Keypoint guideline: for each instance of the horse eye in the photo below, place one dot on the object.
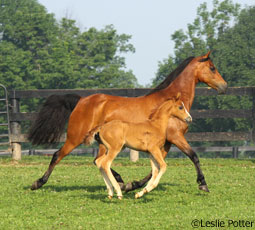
(180, 107)
(212, 68)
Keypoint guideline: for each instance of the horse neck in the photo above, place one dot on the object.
(185, 83)
(161, 116)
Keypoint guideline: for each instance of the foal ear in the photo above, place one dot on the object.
(178, 96)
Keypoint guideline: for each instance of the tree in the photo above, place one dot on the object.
(26, 34)
(201, 35)
(229, 32)
(98, 59)
(235, 50)
(36, 51)
(234, 56)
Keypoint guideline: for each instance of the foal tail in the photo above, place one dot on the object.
(50, 122)
(92, 136)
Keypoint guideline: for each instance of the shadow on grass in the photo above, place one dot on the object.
(63, 188)
(56, 188)
(202, 194)
(99, 192)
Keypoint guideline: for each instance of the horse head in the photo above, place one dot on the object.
(207, 73)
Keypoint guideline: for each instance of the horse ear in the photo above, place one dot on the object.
(178, 96)
(208, 54)
(205, 57)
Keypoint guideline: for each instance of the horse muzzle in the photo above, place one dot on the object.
(222, 88)
(188, 120)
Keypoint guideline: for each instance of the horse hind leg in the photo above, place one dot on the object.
(56, 158)
(105, 165)
(102, 151)
(98, 162)
(108, 184)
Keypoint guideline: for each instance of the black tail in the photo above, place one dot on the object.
(50, 122)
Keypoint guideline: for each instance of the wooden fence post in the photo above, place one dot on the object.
(134, 155)
(235, 152)
(15, 130)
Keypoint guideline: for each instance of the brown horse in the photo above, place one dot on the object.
(89, 112)
(148, 136)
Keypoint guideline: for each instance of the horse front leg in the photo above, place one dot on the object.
(158, 169)
(183, 145)
(139, 184)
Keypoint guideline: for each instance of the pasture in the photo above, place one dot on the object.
(75, 196)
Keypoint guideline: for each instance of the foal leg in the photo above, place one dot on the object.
(139, 184)
(102, 151)
(159, 163)
(162, 169)
(161, 166)
(154, 172)
(106, 164)
(183, 145)
(98, 162)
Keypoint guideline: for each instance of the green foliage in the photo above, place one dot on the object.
(75, 197)
(229, 31)
(234, 56)
(202, 35)
(36, 51)
(235, 51)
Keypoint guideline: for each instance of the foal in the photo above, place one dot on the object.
(148, 136)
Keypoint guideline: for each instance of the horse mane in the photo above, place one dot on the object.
(172, 76)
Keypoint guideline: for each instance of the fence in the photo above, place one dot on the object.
(16, 117)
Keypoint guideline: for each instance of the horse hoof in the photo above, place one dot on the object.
(110, 197)
(137, 196)
(120, 197)
(36, 185)
(122, 186)
(204, 188)
(128, 187)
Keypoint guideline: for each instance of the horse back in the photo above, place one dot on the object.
(104, 108)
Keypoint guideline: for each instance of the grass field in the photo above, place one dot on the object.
(75, 196)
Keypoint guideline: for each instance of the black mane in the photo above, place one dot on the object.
(172, 76)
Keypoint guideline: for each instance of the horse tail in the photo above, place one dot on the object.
(50, 122)
(92, 136)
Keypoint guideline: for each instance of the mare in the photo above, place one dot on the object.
(85, 113)
(148, 136)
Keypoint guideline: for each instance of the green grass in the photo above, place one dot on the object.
(75, 196)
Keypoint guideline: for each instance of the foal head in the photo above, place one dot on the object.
(178, 109)
(172, 107)
(206, 72)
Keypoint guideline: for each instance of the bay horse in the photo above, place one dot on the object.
(85, 113)
(147, 136)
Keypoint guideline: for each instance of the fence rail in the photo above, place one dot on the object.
(16, 117)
